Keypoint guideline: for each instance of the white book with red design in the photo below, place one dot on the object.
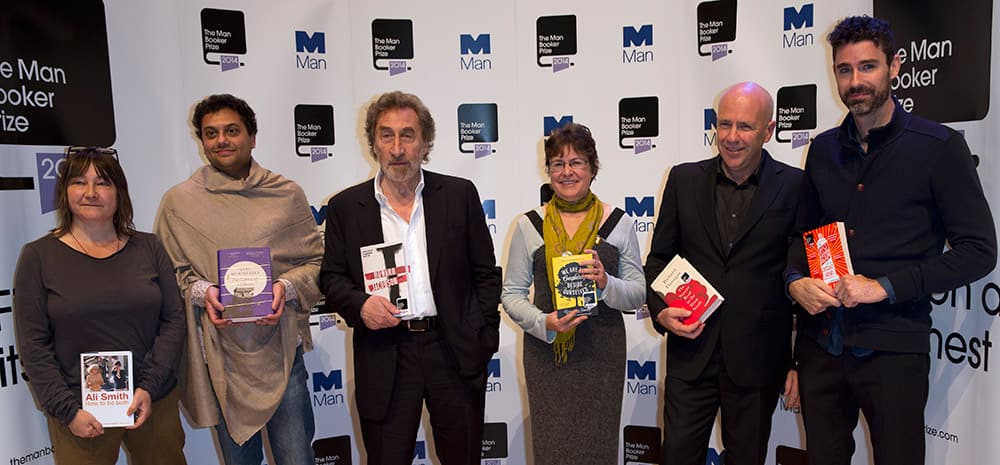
(680, 285)
(387, 274)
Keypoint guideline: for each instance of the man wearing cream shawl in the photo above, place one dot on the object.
(242, 378)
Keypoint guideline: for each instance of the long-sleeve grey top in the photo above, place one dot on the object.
(67, 303)
(622, 293)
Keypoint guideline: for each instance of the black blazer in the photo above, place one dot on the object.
(464, 279)
(755, 321)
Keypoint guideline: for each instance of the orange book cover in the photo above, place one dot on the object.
(827, 253)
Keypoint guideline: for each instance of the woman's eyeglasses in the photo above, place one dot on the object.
(577, 164)
(85, 150)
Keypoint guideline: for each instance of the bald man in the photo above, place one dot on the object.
(730, 216)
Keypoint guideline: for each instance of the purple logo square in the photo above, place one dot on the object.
(229, 62)
(397, 67)
(799, 139)
(719, 51)
(559, 64)
(643, 145)
(318, 154)
(482, 150)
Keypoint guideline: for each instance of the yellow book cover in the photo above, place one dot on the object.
(573, 292)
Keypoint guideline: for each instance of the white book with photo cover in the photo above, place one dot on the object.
(107, 387)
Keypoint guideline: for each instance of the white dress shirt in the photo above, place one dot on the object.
(412, 232)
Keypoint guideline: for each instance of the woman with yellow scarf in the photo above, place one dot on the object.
(574, 366)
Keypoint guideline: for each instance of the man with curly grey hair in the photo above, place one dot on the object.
(438, 352)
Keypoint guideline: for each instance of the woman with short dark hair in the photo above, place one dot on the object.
(574, 366)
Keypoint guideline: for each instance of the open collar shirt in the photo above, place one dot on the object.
(412, 233)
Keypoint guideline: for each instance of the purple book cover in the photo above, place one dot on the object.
(245, 283)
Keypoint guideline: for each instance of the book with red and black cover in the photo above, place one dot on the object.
(387, 274)
(680, 285)
(245, 288)
(827, 253)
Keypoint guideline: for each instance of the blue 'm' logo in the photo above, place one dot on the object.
(645, 371)
(800, 18)
(304, 43)
(490, 209)
(319, 215)
(713, 457)
(633, 38)
(325, 382)
(420, 450)
(493, 368)
(551, 123)
(711, 119)
(477, 45)
(639, 207)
